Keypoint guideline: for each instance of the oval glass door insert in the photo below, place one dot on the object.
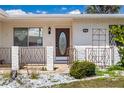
(62, 43)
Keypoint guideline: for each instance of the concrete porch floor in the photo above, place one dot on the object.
(38, 68)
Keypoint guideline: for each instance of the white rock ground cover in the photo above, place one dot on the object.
(44, 80)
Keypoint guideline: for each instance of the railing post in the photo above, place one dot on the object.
(49, 58)
(116, 55)
(15, 58)
(112, 55)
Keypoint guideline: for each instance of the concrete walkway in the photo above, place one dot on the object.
(58, 68)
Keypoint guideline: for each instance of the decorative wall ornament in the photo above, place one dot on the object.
(85, 30)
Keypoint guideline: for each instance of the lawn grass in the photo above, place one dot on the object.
(96, 83)
(102, 73)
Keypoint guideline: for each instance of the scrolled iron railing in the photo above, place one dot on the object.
(32, 55)
(5, 55)
(102, 57)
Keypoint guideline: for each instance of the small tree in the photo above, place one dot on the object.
(118, 32)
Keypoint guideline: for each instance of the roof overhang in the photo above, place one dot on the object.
(65, 16)
(53, 17)
(3, 14)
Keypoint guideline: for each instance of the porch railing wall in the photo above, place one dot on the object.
(5, 55)
(32, 55)
(72, 55)
(102, 57)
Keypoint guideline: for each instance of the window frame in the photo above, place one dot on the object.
(27, 35)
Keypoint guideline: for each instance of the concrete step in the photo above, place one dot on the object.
(61, 60)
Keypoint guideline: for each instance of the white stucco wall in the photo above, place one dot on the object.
(48, 40)
(80, 38)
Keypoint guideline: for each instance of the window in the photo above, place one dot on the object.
(28, 37)
(35, 37)
(20, 36)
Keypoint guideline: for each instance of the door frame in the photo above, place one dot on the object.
(70, 37)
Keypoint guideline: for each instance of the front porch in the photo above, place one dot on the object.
(45, 44)
(42, 59)
(28, 59)
(29, 68)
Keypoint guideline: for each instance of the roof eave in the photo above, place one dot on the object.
(67, 16)
(5, 16)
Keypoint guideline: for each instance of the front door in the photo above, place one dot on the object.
(62, 41)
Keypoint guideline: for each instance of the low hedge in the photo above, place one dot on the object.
(81, 69)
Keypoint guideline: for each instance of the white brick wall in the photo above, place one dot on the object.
(116, 55)
(15, 58)
(80, 50)
(49, 57)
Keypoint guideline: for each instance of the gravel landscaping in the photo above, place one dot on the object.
(46, 80)
(43, 80)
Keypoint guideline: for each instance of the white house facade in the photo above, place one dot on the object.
(58, 38)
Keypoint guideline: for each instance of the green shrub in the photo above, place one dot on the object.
(118, 33)
(115, 67)
(121, 63)
(7, 75)
(121, 53)
(82, 69)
